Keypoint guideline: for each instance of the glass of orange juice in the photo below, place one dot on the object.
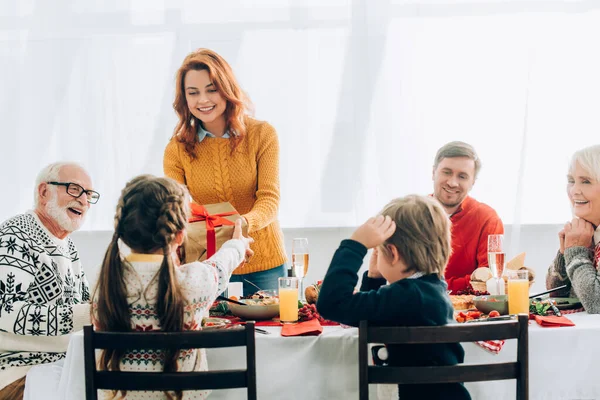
(288, 300)
(518, 291)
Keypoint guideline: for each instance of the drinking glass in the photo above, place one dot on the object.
(300, 257)
(288, 300)
(518, 291)
(300, 261)
(496, 254)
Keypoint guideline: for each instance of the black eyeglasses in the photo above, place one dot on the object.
(76, 191)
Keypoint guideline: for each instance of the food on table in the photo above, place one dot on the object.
(518, 263)
(260, 298)
(479, 277)
(470, 290)
(210, 322)
(308, 312)
(490, 303)
(312, 292)
(464, 316)
(462, 302)
(539, 307)
(467, 316)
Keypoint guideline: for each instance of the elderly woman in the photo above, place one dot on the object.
(577, 260)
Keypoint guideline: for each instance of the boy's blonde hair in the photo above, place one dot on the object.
(422, 234)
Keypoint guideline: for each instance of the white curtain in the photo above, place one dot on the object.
(362, 93)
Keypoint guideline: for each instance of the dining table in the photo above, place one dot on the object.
(562, 363)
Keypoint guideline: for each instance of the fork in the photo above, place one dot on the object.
(247, 281)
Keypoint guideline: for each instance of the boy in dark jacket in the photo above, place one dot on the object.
(411, 241)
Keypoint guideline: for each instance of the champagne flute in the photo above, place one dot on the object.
(496, 254)
(496, 259)
(300, 261)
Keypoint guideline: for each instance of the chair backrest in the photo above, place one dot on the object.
(454, 333)
(217, 338)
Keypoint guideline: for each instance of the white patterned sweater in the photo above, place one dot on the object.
(44, 296)
(201, 283)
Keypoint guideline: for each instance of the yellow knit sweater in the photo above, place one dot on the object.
(248, 179)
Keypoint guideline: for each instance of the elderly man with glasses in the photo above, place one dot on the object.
(44, 294)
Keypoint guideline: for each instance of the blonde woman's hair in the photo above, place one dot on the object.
(422, 234)
(589, 159)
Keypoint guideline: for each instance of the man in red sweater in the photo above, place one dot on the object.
(454, 172)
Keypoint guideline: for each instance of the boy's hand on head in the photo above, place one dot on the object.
(237, 234)
(373, 270)
(375, 231)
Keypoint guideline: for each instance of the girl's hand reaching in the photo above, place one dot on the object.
(237, 234)
(375, 231)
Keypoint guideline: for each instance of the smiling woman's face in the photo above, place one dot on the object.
(204, 100)
(584, 194)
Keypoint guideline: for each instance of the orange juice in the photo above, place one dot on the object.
(518, 296)
(288, 304)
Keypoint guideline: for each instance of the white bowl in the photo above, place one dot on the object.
(254, 311)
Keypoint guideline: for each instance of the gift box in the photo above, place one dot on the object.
(210, 226)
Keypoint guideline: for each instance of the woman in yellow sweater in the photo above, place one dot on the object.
(222, 154)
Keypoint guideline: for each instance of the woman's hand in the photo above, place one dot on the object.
(237, 234)
(578, 232)
(373, 270)
(561, 239)
(375, 231)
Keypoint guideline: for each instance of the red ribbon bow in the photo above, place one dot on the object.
(199, 213)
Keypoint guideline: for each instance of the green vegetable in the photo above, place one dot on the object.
(539, 307)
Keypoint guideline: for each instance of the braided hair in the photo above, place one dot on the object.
(150, 213)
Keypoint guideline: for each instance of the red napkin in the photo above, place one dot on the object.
(493, 346)
(553, 321)
(307, 328)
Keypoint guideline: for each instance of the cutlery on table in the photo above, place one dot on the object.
(547, 291)
(239, 303)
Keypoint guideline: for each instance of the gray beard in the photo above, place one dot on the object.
(59, 214)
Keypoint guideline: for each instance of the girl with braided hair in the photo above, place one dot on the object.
(148, 290)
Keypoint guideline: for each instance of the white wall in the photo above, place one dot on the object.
(362, 94)
(539, 241)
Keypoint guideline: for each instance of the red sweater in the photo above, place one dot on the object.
(471, 225)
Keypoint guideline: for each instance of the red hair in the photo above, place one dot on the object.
(221, 75)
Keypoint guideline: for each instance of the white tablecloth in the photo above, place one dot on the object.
(562, 365)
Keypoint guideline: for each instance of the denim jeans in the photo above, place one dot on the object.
(266, 280)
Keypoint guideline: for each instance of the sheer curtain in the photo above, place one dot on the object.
(362, 93)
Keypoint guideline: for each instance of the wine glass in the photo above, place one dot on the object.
(496, 260)
(496, 254)
(300, 261)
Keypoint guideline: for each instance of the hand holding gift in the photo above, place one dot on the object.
(210, 226)
(238, 234)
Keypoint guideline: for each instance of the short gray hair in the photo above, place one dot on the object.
(50, 173)
(589, 159)
(457, 149)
